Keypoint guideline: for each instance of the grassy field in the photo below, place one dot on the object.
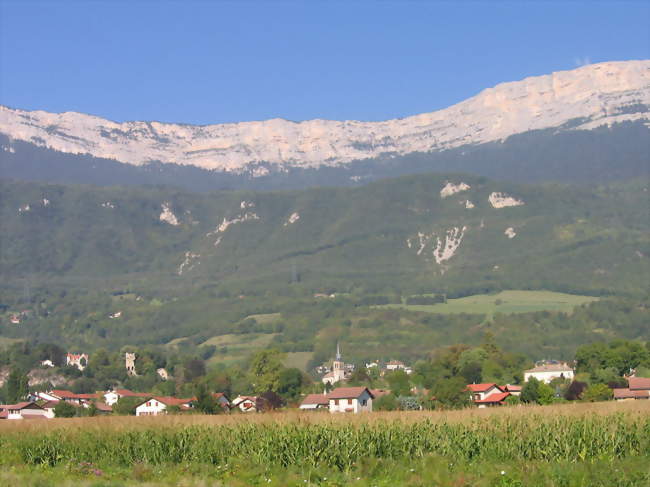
(265, 319)
(234, 347)
(606, 444)
(5, 341)
(298, 360)
(504, 302)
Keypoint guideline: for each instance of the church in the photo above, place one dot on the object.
(338, 369)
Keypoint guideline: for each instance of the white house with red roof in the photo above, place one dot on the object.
(246, 404)
(548, 371)
(111, 397)
(315, 401)
(350, 400)
(494, 399)
(489, 394)
(481, 391)
(638, 388)
(22, 410)
(158, 405)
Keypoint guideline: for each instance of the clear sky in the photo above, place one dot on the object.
(210, 62)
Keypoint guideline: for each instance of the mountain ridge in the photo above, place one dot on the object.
(584, 98)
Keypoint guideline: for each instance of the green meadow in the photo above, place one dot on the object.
(504, 302)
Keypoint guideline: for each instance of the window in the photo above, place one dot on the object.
(364, 402)
(336, 401)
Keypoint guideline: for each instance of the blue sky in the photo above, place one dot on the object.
(211, 62)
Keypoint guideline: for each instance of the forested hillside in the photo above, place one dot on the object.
(179, 265)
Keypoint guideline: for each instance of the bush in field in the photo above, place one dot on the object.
(125, 406)
(64, 410)
(386, 402)
(597, 392)
(451, 393)
(575, 390)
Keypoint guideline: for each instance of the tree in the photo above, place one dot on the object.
(398, 382)
(530, 391)
(64, 410)
(17, 386)
(513, 400)
(387, 402)
(290, 382)
(597, 392)
(194, 369)
(545, 393)
(269, 401)
(575, 390)
(125, 406)
(452, 393)
(265, 369)
(205, 402)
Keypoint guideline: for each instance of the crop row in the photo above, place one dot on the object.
(342, 445)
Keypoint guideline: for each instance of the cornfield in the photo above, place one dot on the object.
(339, 444)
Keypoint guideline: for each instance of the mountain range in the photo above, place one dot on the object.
(588, 124)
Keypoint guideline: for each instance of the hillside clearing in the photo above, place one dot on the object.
(507, 302)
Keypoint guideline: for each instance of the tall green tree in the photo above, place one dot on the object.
(17, 386)
(265, 369)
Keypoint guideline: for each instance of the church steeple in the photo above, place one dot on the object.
(338, 351)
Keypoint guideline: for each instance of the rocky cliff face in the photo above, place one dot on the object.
(583, 98)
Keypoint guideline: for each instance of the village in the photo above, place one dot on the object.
(337, 397)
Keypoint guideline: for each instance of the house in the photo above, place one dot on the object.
(638, 388)
(315, 401)
(395, 365)
(481, 391)
(639, 383)
(624, 394)
(22, 410)
(350, 400)
(338, 370)
(15, 320)
(222, 400)
(246, 404)
(67, 396)
(49, 408)
(156, 405)
(162, 373)
(548, 371)
(111, 397)
(494, 399)
(103, 408)
(45, 396)
(47, 363)
(513, 390)
(79, 360)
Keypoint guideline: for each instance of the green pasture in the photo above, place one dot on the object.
(235, 347)
(504, 302)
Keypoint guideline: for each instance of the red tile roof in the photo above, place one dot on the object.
(494, 398)
(315, 399)
(62, 393)
(103, 407)
(128, 393)
(482, 387)
(625, 393)
(348, 392)
(639, 383)
(510, 388)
